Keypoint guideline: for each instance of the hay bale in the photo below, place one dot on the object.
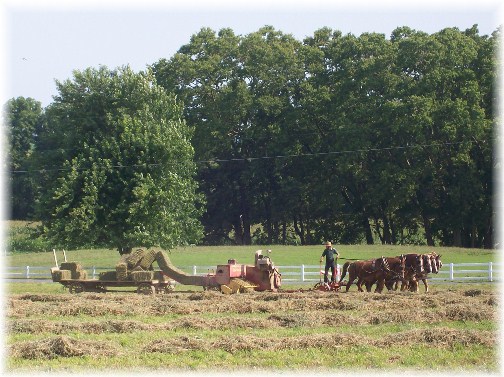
(135, 257)
(147, 260)
(142, 275)
(72, 266)
(79, 275)
(59, 275)
(108, 276)
(122, 271)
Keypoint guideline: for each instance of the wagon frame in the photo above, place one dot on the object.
(94, 285)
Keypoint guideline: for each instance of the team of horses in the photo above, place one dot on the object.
(388, 272)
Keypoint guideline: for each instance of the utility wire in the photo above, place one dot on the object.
(248, 159)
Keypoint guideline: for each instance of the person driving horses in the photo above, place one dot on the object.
(331, 255)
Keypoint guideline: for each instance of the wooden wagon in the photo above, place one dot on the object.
(145, 282)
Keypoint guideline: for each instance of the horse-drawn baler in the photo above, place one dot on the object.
(136, 270)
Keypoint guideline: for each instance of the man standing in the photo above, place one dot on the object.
(331, 255)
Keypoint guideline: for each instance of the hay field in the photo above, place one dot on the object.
(451, 328)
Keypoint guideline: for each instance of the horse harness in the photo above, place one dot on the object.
(385, 266)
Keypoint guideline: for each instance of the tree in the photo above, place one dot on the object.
(23, 119)
(123, 171)
(358, 138)
(237, 94)
(448, 76)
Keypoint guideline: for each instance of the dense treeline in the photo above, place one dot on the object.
(339, 137)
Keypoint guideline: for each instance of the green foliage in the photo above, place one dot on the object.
(26, 239)
(393, 134)
(124, 164)
(24, 117)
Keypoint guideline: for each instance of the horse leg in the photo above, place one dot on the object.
(359, 284)
(380, 285)
(426, 285)
(350, 282)
(369, 285)
(414, 285)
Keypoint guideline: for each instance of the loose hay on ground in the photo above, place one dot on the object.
(61, 346)
(178, 322)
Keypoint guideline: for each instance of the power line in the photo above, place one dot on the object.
(333, 152)
(248, 159)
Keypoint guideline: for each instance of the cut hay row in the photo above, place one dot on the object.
(64, 346)
(358, 308)
(437, 337)
(279, 319)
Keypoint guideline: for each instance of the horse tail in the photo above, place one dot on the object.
(345, 269)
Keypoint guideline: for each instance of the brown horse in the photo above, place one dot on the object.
(355, 269)
(392, 275)
(413, 265)
(432, 263)
(371, 271)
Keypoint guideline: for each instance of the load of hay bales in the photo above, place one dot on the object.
(68, 270)
(136, 266)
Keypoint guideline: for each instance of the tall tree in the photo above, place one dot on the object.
(237, 92)
(23, 120)
(447, 101)
(123, 171)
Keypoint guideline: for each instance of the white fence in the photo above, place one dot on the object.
(450, 272)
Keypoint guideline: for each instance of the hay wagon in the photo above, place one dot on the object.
(73, 277)
(142, 285)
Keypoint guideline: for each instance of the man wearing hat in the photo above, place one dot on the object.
(331, 255)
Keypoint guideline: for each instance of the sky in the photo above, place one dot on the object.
(46, 40)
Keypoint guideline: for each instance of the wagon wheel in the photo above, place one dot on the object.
(76, 287)
(165, 288)
(146, 289)
(161, 290)
(101, 288)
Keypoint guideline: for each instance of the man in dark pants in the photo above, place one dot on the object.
(331, 255)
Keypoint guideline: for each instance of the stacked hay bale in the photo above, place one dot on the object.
(58, 275)
(137, 267)
(74, 269)
(121, 271)
(147, 260)
(142, 275)
(133, 258)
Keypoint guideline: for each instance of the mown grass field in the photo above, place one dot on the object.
(452, 328)
(281, 255)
